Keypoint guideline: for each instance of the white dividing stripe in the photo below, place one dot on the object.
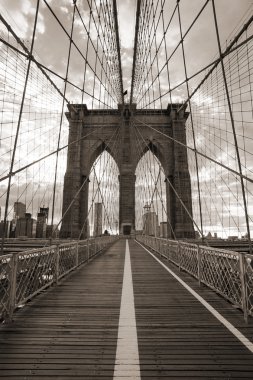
(245, 341)
(127, 364)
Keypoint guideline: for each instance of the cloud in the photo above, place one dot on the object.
(41, 119)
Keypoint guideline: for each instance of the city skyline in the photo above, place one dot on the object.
(41, 176)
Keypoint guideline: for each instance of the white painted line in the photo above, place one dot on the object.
(127, 365)
(245, 341)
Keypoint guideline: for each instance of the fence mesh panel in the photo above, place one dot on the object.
(67, 258)
(5, 279)
(249, 282)
(35, 270)
(25, 274)
(218, 269)
(189, 258)
(221, 272)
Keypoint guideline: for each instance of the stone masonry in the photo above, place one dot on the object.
(92, 131)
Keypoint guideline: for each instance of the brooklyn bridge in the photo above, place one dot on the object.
(126, 189)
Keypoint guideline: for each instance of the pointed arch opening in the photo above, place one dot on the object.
(150, 195)
(103, 196)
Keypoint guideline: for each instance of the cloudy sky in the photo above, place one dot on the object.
(41, 118)
(51, 44)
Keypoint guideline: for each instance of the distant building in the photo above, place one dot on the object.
(41, 227)
(88, 228)
(45, 211)
(98, 220)
(7, 229)
(52, 231)
(13, 225)
(163, 229)
(150, 222)
(26, 226)
(197, 234)
(19, 210)
(19, 213)
(233, 237)
(20, 229)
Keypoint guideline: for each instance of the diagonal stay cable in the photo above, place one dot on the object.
(29, 56)
(18, 126)
(77, 48)
(213, 63)
(93, 169)
(148, 50)
(179, 43)
(92, 44)
(48, 155)
(219, 60)
(199, 153)
(80, 188)
(43, 67)
(116, 26)
(159, 163)
(62, 113)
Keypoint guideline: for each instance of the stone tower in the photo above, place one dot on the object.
(92, 131)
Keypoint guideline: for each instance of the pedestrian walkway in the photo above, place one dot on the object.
(124, 316)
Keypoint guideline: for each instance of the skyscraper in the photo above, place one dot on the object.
(42, 222)
(150, 221)
(163, 230)
(98, 220)
(19, 210)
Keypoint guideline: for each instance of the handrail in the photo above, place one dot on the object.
(25, 274)
(228, 273)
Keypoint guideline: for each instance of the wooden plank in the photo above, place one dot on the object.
(70, 330)
(186, 340)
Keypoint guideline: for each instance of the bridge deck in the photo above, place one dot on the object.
(71, 331)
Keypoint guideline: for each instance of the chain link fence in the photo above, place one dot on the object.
(25, 274)
(228, 273)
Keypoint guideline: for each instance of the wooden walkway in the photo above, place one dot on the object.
(71, 331)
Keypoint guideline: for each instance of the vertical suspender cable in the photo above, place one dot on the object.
(135, 47)
(61, 120)
(233, 126)
(86, 54)
(116, 26)
(18, 126)
(193, 131)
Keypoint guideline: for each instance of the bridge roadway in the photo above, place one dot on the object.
(87, 327)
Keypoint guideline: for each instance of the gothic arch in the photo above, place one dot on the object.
(154, 148)
(155, 178)
(100, 147)
(155, 127)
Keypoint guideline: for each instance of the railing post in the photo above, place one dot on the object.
(13, 286)
(199, 257)
(77, 254)
(169, 250)
(57, 262)
(243, 286)
(88, 251)
(179, 252)
(95, 247)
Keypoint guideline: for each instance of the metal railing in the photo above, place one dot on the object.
(228, 273)
(25, 274)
